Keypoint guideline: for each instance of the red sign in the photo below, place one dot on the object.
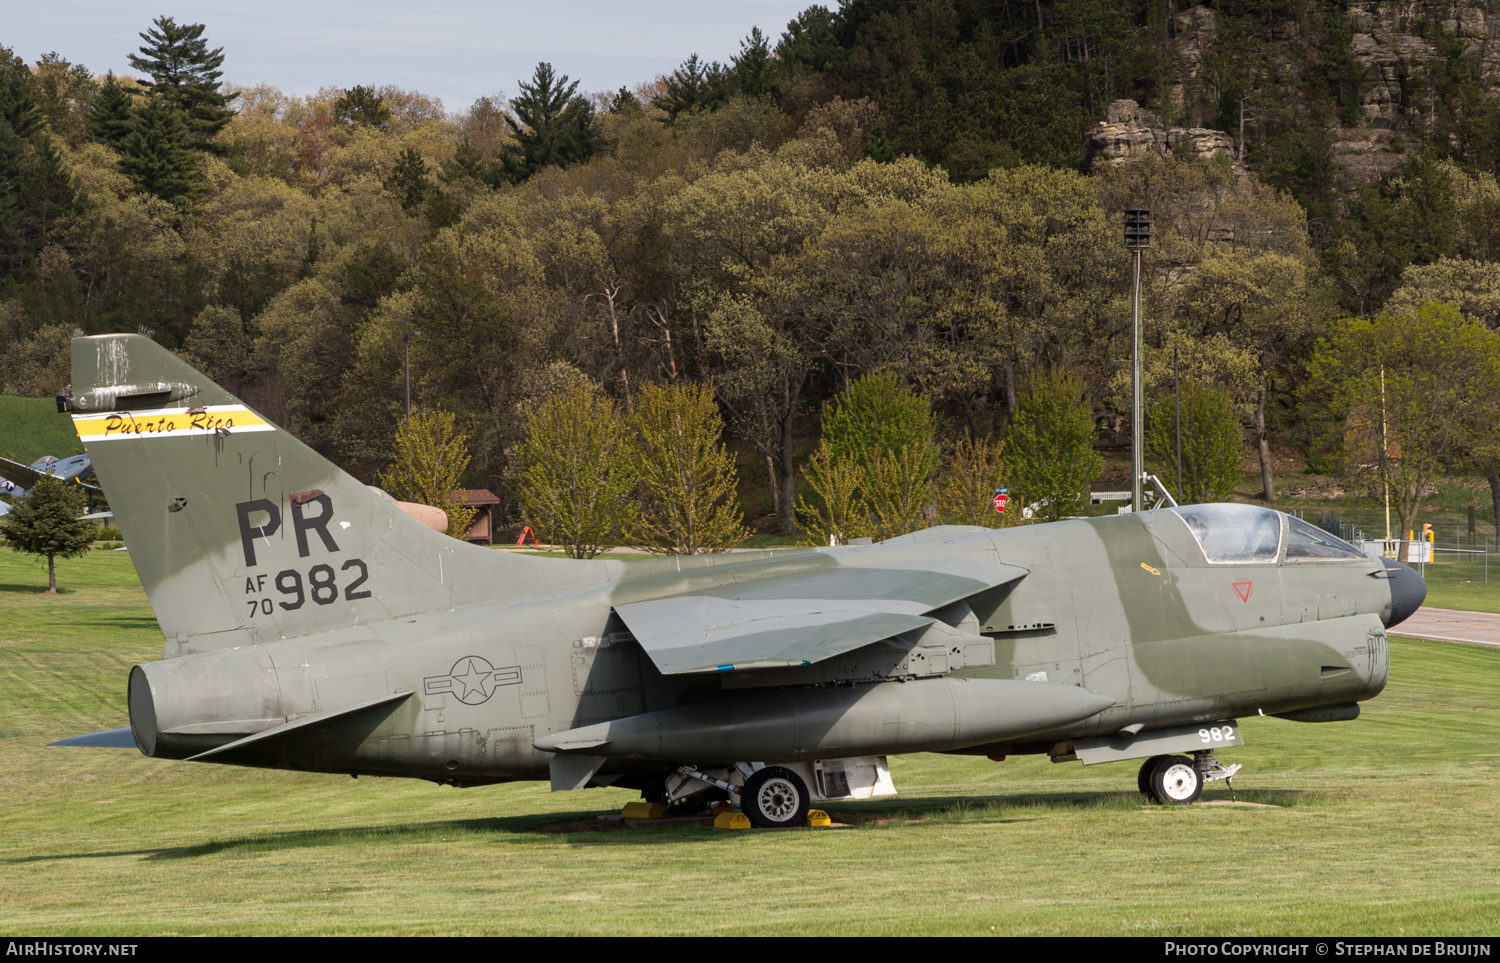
(1243, 588)
(1001, 500)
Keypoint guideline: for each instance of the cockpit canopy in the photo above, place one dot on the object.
(1247, 534)
(1308, 542)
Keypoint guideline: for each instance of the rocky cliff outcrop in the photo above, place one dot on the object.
(1395, 54)
(1393, 44)
(1129, 133)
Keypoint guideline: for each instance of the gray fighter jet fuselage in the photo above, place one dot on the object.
(309, 625)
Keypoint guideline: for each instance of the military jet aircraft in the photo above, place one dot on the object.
(312, 625)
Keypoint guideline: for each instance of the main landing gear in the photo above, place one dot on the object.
(775, 797)
(771, 797)
(1179, 780)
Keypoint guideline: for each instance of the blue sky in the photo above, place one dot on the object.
(458, 50)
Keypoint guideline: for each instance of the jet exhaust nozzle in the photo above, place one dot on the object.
(184, 706)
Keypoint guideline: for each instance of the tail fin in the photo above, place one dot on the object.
(243, 534)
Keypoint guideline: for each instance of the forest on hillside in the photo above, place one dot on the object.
(894, 186)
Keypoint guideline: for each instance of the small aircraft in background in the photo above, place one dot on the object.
(17, 480)
(310, 624)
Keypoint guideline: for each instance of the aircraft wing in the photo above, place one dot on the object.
(25, 476)
(19, 475)
(798, 620)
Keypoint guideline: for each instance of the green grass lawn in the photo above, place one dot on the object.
(32, 427)
(1386, 825)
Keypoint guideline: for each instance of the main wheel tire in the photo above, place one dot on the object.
(1143, 778)
(1176, 781)
(775, 797)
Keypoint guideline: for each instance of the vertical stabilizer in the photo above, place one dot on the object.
(242, 534)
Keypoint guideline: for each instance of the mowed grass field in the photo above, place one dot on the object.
(1387, 825)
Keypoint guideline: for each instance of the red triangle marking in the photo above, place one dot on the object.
(1243, 588)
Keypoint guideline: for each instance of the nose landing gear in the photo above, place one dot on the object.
(1179, 780)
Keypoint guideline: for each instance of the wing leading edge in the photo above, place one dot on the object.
(799, 620)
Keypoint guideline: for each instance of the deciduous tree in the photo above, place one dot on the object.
(573, 472)
(966, 489)
(431, 455)
(1410, 394)
(837, 511)
(875, 465)
(686, 479)
(876, 413)
(1051, 445)
(1213, 443)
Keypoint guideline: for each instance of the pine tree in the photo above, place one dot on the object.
(37, 194)
(18, 105)
(693, 86)
(185, 74)
(111, 114)
(811, 41)
(752, 68)
(552, 125)
(156, 155)
(624, 102)
(362, 107)
(47, 522)
(408, 180)
(469, 162)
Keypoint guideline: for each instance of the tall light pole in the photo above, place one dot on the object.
(1137, 239)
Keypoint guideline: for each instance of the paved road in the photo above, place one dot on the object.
(1452, 625)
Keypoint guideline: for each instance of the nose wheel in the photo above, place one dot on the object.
(1171, 780)
(1143, 778)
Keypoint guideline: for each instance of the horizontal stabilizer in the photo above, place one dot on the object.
(799, 620)
(304, 723)
(108, 739)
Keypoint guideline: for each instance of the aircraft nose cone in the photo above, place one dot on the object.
(1408, 591)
